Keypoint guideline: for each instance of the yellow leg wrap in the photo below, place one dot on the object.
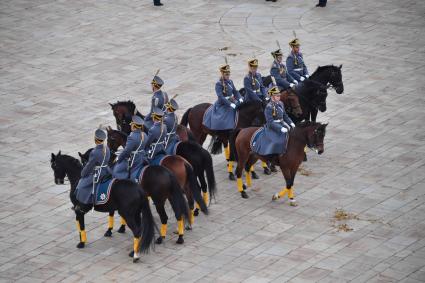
(305, 149)
(83, 236)
(136, 242)
(227, 152)
(197, 205)
(163, 230)
(240, 184)
(230, 167)
(251, 168)
(122, 221)
(283, 192)
(291, 193)
(77, 223)
(206, 198)
(110, 222)
(192, 217)
(248, 179)
(180, 227)
(263, 164)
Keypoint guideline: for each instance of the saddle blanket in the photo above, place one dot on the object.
(254, 137)
(157, 160)
(140, 174)
(103, 191)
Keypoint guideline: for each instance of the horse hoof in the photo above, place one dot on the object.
(136, 259)
(121, 229)
(188, 228)
(254, 175)
(159, 240)
(108, 233)
(231, 176)
(275, 196)
(305, 157)
(131, 254)
(196, 212)
(81, 245)
(267, 171)
(244, 194)
(273, 169)
(293, 203)
(180, 240)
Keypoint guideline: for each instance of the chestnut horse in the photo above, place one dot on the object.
(309, 134)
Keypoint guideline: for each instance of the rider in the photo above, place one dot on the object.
(283, 79)
(133, 157)
(93, 172)
(159, 99)
(171, 121)
(273, 139)
(253, 83)
(222, 115)
(156, 135)
(295, 62)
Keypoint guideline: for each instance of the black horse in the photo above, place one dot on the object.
(126, 196)
(313, 91)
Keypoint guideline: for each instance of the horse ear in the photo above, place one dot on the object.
(59, 153)
(53, 156)
(340, 66)
(112, 106)
(79, 154)
(109, 129)
(325, 125)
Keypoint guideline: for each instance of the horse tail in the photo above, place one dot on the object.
(185, 119)
(196, 191)
(232, 141)
(148, 224)
(177, 200)
(209, 170)
(215, 145)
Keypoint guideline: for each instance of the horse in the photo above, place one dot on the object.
(124, 110)
(159, 197)
(183, 170)
(313, 94)
(126, 196)
(308, 133)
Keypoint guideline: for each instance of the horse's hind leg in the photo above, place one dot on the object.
(134, 222)
(239, 182)
(81, 230)
(249, 168)
(108, 232)
(164, 218)
(191, 204)
(204, 187)
(122, 227)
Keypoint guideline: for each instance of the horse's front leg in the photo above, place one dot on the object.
(108, 232)
(241, 164)
(288, 189)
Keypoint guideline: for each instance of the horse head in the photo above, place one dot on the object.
(115, 139)
(59, 171)
(331, 75)
(316, 136)
(84, 157)
(123, 111)
(291, 102)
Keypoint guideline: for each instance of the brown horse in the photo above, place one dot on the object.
(124, 110)
(248, 114)
(309, 134)
(183, 171)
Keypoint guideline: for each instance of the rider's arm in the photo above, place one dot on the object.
(305, 71)
(262, 88)
(94, 158)
(129, 147)
(285, 116)
(236, 93)
(249, 94)
(219, 92)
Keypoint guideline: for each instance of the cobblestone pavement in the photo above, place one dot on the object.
(62, 62)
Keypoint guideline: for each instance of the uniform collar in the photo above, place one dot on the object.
(137, 131)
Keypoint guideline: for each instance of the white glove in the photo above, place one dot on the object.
(240, 100)
(302, 79)
(291, 85)
(267, 98)
(292, 125)
(295, 82)
(284, 130)
(233, 105)
(306, 76)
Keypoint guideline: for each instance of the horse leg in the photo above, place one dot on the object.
(81, 230)
(240, 185)
(134, 222)
(122, 227)
(205, 195)
(164, 218)
(287, 175)
(266, 168)
(290, 186)
(313, 115)
(229, 162)
(108, 232)
(191, 204)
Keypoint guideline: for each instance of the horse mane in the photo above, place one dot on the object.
(305, 124)
(129, 104)
(70, 159)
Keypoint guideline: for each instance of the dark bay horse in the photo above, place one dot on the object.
(312, 92)
(126, 196)
(309, 134)
(124, 110)
(182, 169)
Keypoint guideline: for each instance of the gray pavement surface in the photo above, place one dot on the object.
(62, 62)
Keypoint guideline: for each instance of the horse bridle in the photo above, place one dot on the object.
(333, 85)
(315, 145)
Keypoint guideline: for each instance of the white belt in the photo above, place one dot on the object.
(256, 90)
(298, 69)
(277, 121)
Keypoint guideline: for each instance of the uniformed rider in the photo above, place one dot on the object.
(156, 135)
(171, 121)
(283, 79)
(253, 83)
(95, 169)
(133, 157)
(159, 99)
(295, 62)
